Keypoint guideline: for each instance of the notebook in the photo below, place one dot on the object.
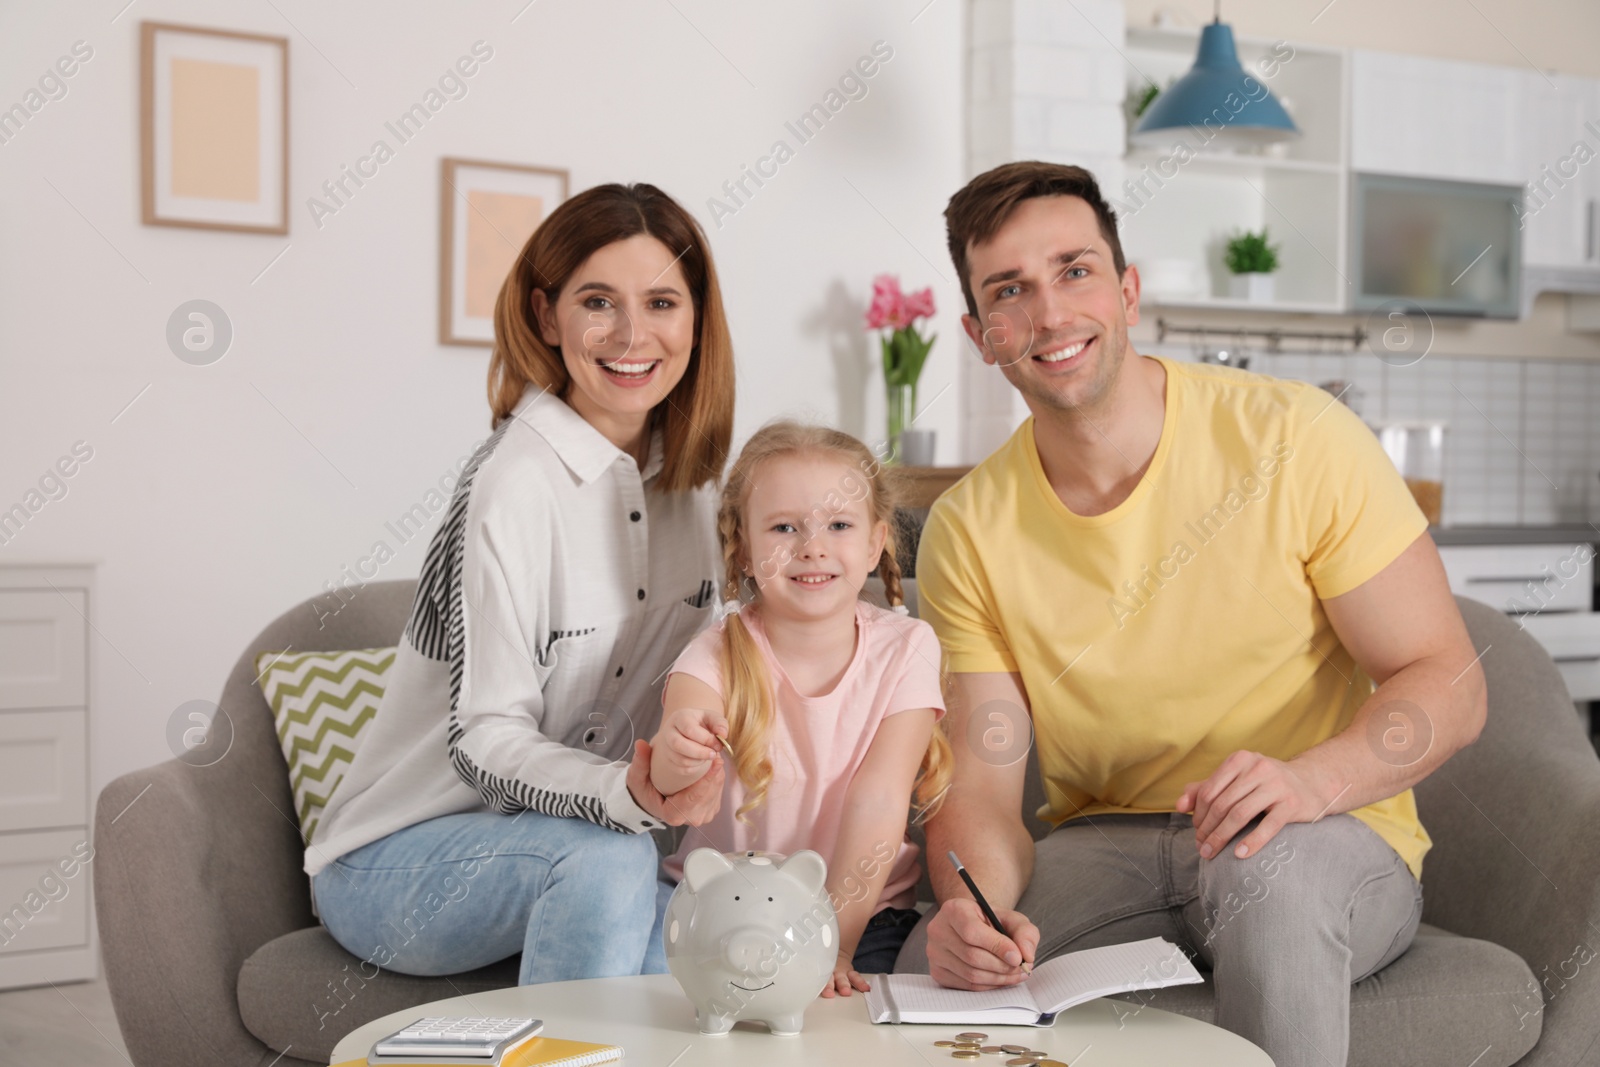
(544, 1052)
(1055, 986)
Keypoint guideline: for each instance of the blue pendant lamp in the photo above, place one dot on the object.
(1208, 100)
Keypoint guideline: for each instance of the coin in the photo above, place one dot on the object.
(964, 1054)
(1050, 1063)
(993, 1050)
(972, 1035)
(1021, 1061)
(1016, 1050)
(944, 1044)
(967, 1046)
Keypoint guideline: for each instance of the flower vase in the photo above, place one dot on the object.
(902, 409)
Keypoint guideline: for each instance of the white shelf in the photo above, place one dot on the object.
(1180, 205)
(1222, 303)
(1185, 40)
(1227, 162)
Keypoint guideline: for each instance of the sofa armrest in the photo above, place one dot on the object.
(1516, 859)
(193, 871)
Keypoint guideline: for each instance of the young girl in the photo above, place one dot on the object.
(828, 703)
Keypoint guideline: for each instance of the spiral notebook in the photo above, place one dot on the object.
(1055, 986)
(542, 1052)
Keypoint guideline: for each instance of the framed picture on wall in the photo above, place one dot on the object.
(487, 213)
(214, 128)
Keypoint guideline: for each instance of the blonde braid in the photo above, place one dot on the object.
(747, 687)
(889, 572)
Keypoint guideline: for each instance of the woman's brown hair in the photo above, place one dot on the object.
(747, 687)
(696, 418)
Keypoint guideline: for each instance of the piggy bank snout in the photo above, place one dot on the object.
(751, 950)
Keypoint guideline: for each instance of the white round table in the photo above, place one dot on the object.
(651, 1019)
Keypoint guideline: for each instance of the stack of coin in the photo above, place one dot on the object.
(970, 1046)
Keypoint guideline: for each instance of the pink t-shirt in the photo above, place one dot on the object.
(817, 743)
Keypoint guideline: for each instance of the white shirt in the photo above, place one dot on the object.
(555, 595)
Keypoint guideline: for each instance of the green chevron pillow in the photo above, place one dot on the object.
(322, 703)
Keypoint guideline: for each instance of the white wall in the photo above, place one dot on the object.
(226, 494)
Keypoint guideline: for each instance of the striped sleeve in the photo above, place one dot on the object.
(467, 614)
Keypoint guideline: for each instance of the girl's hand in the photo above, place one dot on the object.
(691, 740)
(694, 805)
(845, 978)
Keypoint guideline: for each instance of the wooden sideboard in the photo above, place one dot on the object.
(920, 486)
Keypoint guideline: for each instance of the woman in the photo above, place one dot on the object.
(487, 811)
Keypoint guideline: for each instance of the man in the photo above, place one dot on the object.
(1186, 579)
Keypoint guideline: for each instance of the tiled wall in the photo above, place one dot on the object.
(1523, 445)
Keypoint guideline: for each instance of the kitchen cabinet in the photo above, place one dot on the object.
(1549, 588)
(1434, 118)
(46, 918)
(1559, 153)
(1361, 112)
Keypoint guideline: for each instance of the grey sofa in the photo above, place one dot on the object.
(213, 956)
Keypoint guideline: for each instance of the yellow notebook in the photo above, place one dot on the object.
(541, 1052)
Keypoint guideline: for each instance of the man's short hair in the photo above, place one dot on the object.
(984, 204)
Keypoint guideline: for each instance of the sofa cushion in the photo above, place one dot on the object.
(1447, 1001)
(321, 705)
(304, 990)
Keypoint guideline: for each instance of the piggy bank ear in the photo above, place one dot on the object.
(702, 865)
(807, 868)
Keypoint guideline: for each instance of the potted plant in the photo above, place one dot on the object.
(1251, 261)
(905, 350)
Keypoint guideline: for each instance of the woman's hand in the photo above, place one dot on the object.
(845, 978)
(695, 805)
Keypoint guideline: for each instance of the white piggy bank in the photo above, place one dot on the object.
(751, 935)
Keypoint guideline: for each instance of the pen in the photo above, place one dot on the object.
(988, 912)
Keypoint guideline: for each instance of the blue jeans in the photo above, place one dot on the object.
(882, 940)
(463, 891)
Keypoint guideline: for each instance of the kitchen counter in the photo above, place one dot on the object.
(1569, 533)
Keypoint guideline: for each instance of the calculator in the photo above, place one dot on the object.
(453, 1040)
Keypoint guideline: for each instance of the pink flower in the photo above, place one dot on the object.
(888, 310)
(893, 310)
(919, 306)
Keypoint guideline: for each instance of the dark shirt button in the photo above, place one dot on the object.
(646, 823)
(641, 594)
(619, 672)
(634, 515)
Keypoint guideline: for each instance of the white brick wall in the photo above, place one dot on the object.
(1046, 80)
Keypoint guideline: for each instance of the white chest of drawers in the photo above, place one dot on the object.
(46, 927)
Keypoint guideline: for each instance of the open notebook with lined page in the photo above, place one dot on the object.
(1056, 985)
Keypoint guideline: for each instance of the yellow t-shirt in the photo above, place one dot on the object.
(1186, 623)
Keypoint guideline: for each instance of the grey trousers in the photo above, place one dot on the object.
(1285, 932)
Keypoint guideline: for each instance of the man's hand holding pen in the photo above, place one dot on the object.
(978, 947)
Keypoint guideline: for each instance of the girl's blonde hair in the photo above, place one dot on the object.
(747, 684)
